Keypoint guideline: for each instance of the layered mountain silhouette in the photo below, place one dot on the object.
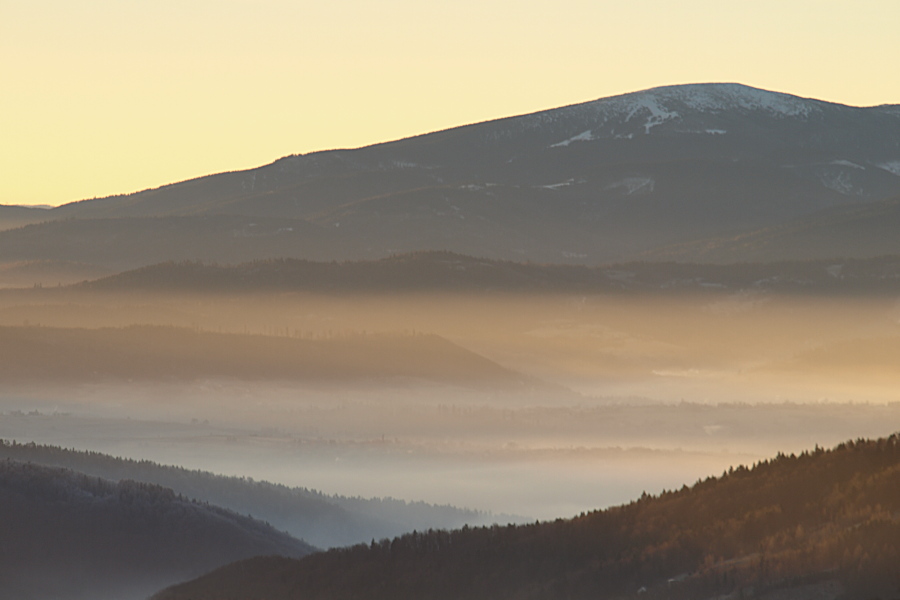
(451, 273)
(67, 535)
(607, 180)
(322, 520)
(819, 525)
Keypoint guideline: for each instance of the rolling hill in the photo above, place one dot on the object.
(149, 353)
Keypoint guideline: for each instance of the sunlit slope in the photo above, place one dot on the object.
(44, 354)
(67, 535)
(819, 524)
(598, 181)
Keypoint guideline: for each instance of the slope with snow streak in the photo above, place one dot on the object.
(570, 184)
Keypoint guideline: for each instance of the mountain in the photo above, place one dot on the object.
(588, 183)
(148, 353)
(322, 520)
(823, 524)
(67, 535)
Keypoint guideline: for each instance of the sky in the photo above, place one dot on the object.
(100, 97)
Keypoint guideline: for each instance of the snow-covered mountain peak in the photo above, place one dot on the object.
(719, 97)
(642, 113)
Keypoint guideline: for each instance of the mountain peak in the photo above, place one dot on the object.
(718, 97)
(691, 108)
(674, 101)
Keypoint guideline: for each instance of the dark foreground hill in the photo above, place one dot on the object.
(67, 535)
(820, 525)
(146, 353)
(320, 519)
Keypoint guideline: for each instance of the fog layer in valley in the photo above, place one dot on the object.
(612, 395)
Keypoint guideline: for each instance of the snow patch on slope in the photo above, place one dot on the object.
(847, 163)
(585, 136)
(658, 114)
(634, 186)
(839, 181)
(891, 167)
(556, 186)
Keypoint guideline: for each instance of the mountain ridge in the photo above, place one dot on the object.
(435, 271)
(593, 182)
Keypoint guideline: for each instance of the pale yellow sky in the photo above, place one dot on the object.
(99, 97)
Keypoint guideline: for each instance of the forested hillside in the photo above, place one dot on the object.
(67, 535)
(823, 522)
(320, 519)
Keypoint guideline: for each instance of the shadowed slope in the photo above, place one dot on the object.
(320, 519)
(67, 535)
